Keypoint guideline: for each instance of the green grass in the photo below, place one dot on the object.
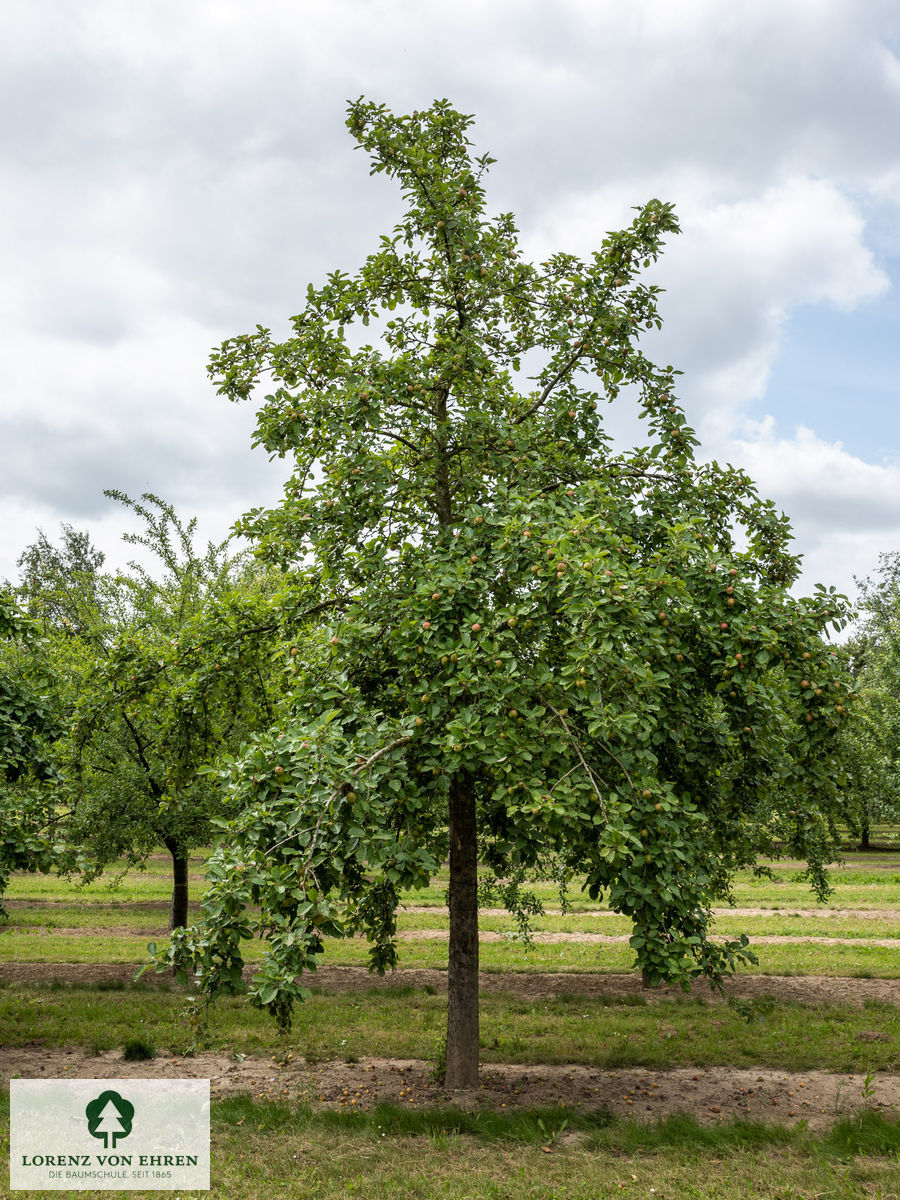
(24, 945)
(279, 1150)
(405, 1022)
(151, 920)
(863, 880)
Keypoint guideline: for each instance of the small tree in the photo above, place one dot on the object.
(28, 728)
(542, 653)
(163, 670)
(872, 737)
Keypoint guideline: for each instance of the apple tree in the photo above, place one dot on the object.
(168, 667)
(28, 728)
(872, 736)
(543, 652)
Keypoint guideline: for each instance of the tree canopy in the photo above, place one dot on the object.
(543, 653)
(28, 727)
(872, 737)
(158, 669)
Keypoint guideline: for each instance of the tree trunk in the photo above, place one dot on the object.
(179, 910)
(864, 831)
(462, 973)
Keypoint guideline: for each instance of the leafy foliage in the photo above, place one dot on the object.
(28, 727)
(872, 737)
(598, 645)
(179, 674)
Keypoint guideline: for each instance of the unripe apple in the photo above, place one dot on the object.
(419, 721)
(513, 712)
(335, 641)
(425, 698)
(453, 658)
(804, 683)
(658, 807)
(646, 793)
(279, 770)
(435, 595)
(444, 660)
(511, 621)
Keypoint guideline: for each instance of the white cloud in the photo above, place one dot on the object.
(176, 173)
(844, 511)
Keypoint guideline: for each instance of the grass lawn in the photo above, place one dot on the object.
(406, 1022)
(276, 1150)
(271, 1149)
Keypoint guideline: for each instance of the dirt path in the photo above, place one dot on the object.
(711, 1094)
(841, 914)
(485, 936)
(608, 939)
(437, 910)
(804, 989)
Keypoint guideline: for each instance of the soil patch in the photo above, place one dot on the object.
(802, 989)
(622, 939)
(843, 914)
(711, 1095)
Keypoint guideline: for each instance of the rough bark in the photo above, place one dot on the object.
(179, 910)
(462, 972)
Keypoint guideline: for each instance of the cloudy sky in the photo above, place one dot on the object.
(174, 173)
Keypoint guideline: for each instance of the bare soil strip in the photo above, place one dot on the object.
(711, 1095)
(843, 914)
(550, 939)
(438, 910)
(803, 989)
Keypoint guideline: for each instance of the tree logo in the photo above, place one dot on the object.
(109, 1116)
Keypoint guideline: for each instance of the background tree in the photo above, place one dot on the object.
(62, 586)
(28, 728)
(872, 737)
(184, 675)
(159, 669)
(543, 651)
